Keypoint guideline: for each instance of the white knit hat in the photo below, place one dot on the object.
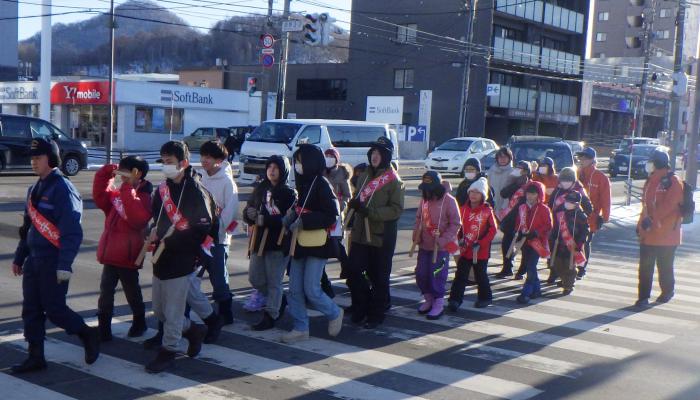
(481, 185)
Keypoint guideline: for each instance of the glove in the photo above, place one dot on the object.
(296, 225)
(251, 213)
(601, 221)
(646, 223)
(362, 210)
(355, 203)
(531, 235)
(63, 276)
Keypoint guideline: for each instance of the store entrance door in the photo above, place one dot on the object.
(90, 123)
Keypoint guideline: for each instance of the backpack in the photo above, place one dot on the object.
(688, 205)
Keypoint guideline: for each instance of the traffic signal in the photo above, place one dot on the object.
(317, 29)
(252, 85)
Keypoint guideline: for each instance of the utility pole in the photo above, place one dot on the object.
(691, 171)
(677, 70)
(110, 130)
(266, 74)
(282, 73)
(463, 111)
(648, 21)
(45, 67)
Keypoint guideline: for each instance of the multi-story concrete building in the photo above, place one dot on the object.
(8, 33)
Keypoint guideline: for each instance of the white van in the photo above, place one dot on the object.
(282, 136)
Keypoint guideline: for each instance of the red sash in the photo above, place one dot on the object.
(171, 209)
(562, 197)
(536, 244)
(471, 227)
(231, 227)
(47, 229)
(376, 184)
(579, 257)
(118, 205)
(451, 247)
(514, 199)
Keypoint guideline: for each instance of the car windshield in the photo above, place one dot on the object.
(561, 154)
(637, 150)
(455, 145)
(274, 132)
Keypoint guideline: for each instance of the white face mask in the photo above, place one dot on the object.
(649, 167)
(470, 175)
(298, 168)
(569, 206)
(543, 170)
(516, 172)
(566, 185)
(330, 162)
(170, 171)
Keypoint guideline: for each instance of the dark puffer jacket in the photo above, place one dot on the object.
(317, 197)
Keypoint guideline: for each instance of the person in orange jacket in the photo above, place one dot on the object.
(597, 186)
(659, 227)
(547, 174)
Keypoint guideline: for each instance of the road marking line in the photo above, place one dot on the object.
(20, 389)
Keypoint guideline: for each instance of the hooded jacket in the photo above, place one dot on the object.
(559, 194)
(444, 214)
(320, 206)
(597, 185)
(580, 233)
(123, 236)
(339, 177)
(183, 248)
(281, 195)
(462, 194)
(500, 177)
(661, 200)
(384, 208)
(538, 217)
(225, 193)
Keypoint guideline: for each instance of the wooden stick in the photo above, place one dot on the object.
(144, 248)
(253, 236)
(412, 250)
(475, 254)
(263, 242)
(293, 245)
(348, 218)
(515, 246)
(283, 232)
(161, 248)
(554, 253)
(368, 235)
(435, 251)
(349, 245)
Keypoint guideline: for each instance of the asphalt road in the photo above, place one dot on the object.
(590, 345)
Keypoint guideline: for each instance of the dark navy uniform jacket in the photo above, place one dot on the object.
(57, 200)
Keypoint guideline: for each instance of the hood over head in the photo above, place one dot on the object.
(282, 163)
(536, 187)
(313, 162)
(432, 185)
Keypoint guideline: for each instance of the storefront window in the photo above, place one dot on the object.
(158, 119)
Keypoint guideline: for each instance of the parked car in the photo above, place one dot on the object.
(451, 156)
(542, 146)
(16, 134)
(575, 145)
(620, 162)
(196, 139)
(625, 143)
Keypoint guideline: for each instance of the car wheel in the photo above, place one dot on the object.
(71, 165)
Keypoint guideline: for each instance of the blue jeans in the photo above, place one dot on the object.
(305, 284)
(218, 273)
(532, 282)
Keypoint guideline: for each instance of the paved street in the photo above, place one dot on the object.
(590, 345)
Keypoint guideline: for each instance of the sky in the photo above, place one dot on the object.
(195, 12)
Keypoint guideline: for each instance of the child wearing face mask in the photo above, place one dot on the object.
(547, 174)
(472, 173)
(515, 193)
(568, 237)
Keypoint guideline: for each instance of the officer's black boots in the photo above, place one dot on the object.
(35, 361)
(138, 326)
(91, 342)
(214, 325)
(105, 324)
(164, 360)
(156, 341)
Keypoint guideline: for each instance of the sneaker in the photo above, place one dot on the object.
(163, 361)
(581, 273)
(195, 336)
(453, 305)
(504, 274)
(267, 322)
(335, 325)
(138, 326)
(567, 291)
(482, 303)
(294, 336)
(664, 298)
(91, 343)
(523, 299)
(641, 303)
(256, 302)
(518, 277)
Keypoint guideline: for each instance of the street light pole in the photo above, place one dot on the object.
(649, 14)
(45, 74)
(110, 131)
(677, 70)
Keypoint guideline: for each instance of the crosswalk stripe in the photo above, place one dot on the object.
(306, 378)
(20, 389)
(634, 273)
(460, 379)
(129, 374)
(561, 321)
(615, 263)
(633, 290)
(632, 281)
(685, 245)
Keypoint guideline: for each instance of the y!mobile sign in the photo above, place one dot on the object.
(80, 93)
(385, 109)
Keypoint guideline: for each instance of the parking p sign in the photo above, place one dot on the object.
(493, 89)
(415, 133)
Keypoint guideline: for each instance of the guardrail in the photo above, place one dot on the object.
(633, 191)
(116, 155)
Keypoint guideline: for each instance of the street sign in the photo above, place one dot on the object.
(267, 60)
(493, 89)
(267, 51)
(415, 133)
(267, 40)
(293, 25)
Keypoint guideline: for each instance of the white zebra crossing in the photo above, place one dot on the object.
(18, 389)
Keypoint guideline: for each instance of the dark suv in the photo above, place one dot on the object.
(16, 134)
(537, 148)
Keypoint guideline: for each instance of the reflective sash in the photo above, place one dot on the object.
(45, 227)
(514, 199)
(171, 209)
(376, 184)
(451, 247)
(579, 256)
(536, 244)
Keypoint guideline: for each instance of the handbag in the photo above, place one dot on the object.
(312, 237)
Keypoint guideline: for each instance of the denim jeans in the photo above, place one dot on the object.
(266, 275)
(305, 284)
(532, 282)
(218, 273)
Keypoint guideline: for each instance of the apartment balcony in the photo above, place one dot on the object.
(536, 56)
(516, 98)
(539, 11)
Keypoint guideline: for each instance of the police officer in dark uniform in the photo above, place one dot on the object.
(49, 241)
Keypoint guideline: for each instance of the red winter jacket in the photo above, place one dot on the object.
(122, 238)
(478, 225)
(538, 219)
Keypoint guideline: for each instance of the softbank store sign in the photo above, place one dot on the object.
(385, 109)
(180, 96)
(19, 92)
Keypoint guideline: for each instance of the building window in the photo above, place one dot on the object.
(507, 33)
(554, 44)
(403, 78)
(665, 34)
(322, 89)
(665, 13)
(604, 16)
(601, 37)
(158, 119)
(406, 33)
(506, 79)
